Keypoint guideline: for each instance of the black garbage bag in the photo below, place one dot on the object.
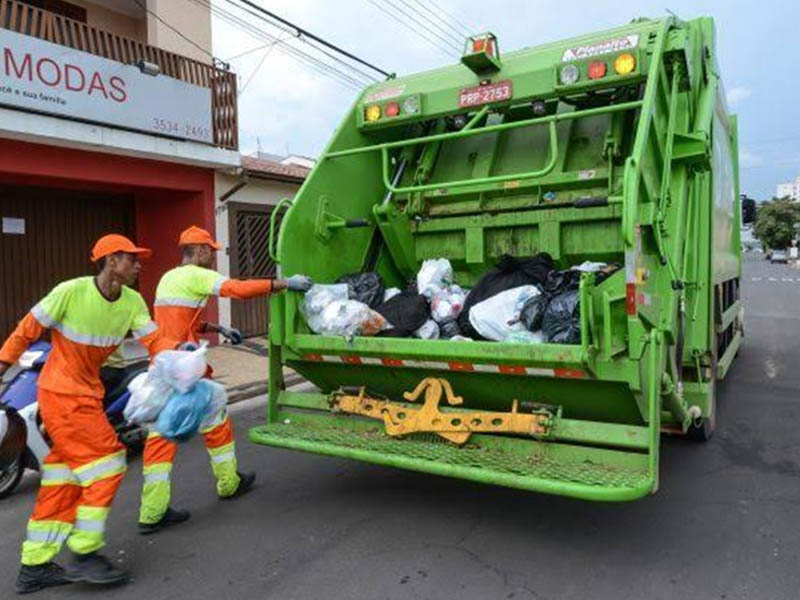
(558, 282)
(561, 322)
(449, 329)
(365, 287)
(509, 273)
(406, 311)
(532, 312)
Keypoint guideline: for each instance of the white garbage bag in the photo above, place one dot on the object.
(435, 274)
(428, 331)
(526, 337)
(317, 299)
(447, 302)
(216, 411)
(349, 318)
(181, 368)
(590, 267)
(149, 394)
(498, 317)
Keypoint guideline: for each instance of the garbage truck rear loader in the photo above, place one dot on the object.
(614, 147)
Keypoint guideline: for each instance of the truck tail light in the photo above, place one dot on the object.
(625, 64)
(392, 109)
(569, 75)
(596, 69)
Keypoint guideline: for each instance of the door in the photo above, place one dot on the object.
(46, 238)
(249, 234)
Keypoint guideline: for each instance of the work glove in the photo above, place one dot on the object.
(299, 283)
(234, 336)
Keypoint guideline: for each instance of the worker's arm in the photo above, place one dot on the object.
(44, 315)
(251, 288)
(28, 331)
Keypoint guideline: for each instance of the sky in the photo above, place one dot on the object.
(287, 107)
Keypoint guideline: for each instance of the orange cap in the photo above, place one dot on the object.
(195, 235)
(113, 242)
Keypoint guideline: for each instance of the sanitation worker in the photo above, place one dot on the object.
(181, 296)
(88, 318)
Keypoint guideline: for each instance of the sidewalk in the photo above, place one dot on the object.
(243, 369)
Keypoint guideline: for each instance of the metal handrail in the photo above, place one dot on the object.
(550, 120)
(272, 217)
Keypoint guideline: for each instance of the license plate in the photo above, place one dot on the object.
(485, 94)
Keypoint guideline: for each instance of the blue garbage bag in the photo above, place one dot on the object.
(180, 419)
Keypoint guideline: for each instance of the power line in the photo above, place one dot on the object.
(447, 51)
(460, 34)
(174, 29)
(251, 51)
(258, 67)
(292, 50)
(467, 28)
(308, 60)
(435, 30)
(310, 35)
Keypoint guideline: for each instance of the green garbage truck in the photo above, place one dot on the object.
(614, 147)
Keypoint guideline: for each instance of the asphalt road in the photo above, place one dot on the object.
(725, 523)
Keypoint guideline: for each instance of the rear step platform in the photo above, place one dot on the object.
(588, 473)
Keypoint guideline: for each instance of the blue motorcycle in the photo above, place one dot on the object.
(23, 440)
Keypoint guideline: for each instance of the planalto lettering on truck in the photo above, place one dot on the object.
(610, 161)
(62, 76)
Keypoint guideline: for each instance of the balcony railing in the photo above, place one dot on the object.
(23, 18)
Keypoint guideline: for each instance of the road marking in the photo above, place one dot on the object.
(757, 278)
(773, 279)
(771, 368)
(787, 279)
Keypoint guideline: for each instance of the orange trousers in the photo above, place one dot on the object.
(79, 480)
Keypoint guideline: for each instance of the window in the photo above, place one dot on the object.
(60, 7)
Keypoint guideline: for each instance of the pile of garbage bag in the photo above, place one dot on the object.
(173, 397)
(521, 300)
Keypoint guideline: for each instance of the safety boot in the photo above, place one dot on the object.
(171, 517)
(96, 569)
(245, 484)
(33, 578)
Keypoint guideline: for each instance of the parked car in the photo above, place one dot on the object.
(778, 256)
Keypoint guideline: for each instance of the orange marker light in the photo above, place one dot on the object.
(625, 64)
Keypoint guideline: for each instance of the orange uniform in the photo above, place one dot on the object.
(83, 471)
(181, 296)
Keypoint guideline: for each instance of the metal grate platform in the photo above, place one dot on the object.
(537, 468)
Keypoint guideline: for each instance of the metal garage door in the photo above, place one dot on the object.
(249, 234)
(59, 227)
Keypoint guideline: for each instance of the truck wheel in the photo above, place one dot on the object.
(10, 477)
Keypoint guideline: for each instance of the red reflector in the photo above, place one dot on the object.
(315, 357)
(596, 69)
(351, 360)
(460, 366)
(630, 298)
(569, 373)
(392, 362)
(392, 109)
(512, 369)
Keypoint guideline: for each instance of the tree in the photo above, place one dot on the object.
(775, 222)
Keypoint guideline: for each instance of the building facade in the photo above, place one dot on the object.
(109, 122)
(789, 190)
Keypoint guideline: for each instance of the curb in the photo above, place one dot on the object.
(244, 391)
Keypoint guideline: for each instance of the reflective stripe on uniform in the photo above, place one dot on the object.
(218, 285)
(108, 466)
(89, 532)
(146, 330)
(40, 314)
(43, 541)
(182, 302)
(223, 453)
(57, 474)
(155, 492)
(104, 341)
